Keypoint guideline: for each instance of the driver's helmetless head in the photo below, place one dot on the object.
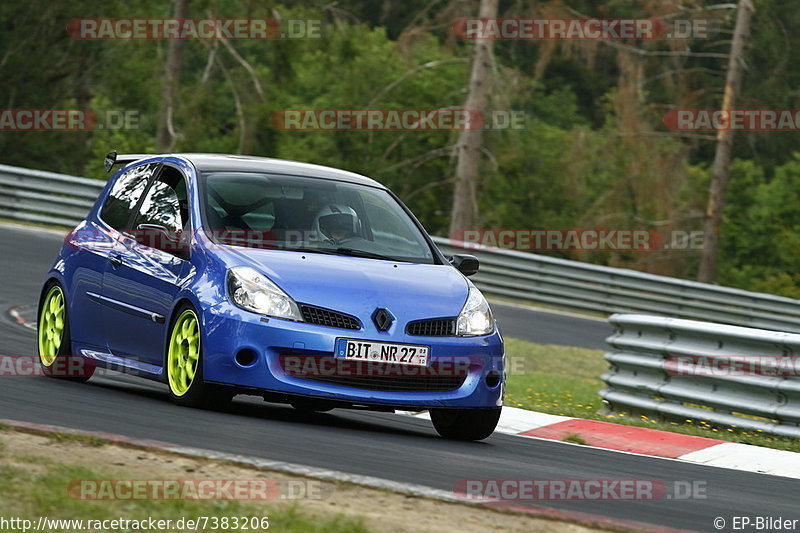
(337, 222)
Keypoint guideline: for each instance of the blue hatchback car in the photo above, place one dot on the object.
(222, 275)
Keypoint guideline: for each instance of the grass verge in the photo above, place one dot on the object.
(88, 440)
(41, 477)
(564, 380)
(33, 486)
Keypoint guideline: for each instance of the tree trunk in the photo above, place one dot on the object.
(722, 156)
(470, 141)
(172, 70)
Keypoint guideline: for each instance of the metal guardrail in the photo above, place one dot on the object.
(49, 198)
(674, 368)
(582, 286)
(45, 197)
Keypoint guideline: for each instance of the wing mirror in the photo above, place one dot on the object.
(466, 264)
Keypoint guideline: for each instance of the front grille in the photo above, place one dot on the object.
(326, 317)
(373, 375)
(436, 327)
(396, 383)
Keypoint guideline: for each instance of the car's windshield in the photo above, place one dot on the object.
(309, 215)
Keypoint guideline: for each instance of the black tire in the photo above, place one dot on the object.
(66, 366)
(199, 394)
(465, 424)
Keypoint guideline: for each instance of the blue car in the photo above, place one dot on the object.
(302, 284)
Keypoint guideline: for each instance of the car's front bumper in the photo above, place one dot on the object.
(229, 331)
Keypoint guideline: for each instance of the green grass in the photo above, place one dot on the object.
(3, 426)
(88, 440)
(32, 492)
(575, 438)
(563, 380)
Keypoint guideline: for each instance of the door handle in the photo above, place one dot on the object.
(115, 260)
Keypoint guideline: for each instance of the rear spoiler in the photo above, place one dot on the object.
(122, 159)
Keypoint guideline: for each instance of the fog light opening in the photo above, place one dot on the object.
(492, 379)
(246, 357)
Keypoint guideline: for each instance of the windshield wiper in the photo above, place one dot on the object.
(341, 251)
(363, 253)
(328, 251)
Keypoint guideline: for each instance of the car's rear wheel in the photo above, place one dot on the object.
(184, 364)
(55, 343)
(465, 424)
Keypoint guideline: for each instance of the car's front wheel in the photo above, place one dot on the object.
(184, 364)
(465, 424)
(55, 344)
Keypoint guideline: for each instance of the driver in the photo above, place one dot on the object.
(337, 223)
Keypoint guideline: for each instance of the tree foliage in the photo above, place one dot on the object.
(593, 153)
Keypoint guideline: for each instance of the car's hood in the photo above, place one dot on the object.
(358, 286)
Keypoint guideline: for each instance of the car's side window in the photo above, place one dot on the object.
(165, 203)
(124, 195)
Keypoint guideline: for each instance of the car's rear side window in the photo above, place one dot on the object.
(124, 195)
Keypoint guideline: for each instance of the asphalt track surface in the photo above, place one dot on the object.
(388, 446)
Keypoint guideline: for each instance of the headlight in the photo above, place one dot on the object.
(476, 317)
(253, 291)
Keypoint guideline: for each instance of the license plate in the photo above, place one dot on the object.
(403, 354)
